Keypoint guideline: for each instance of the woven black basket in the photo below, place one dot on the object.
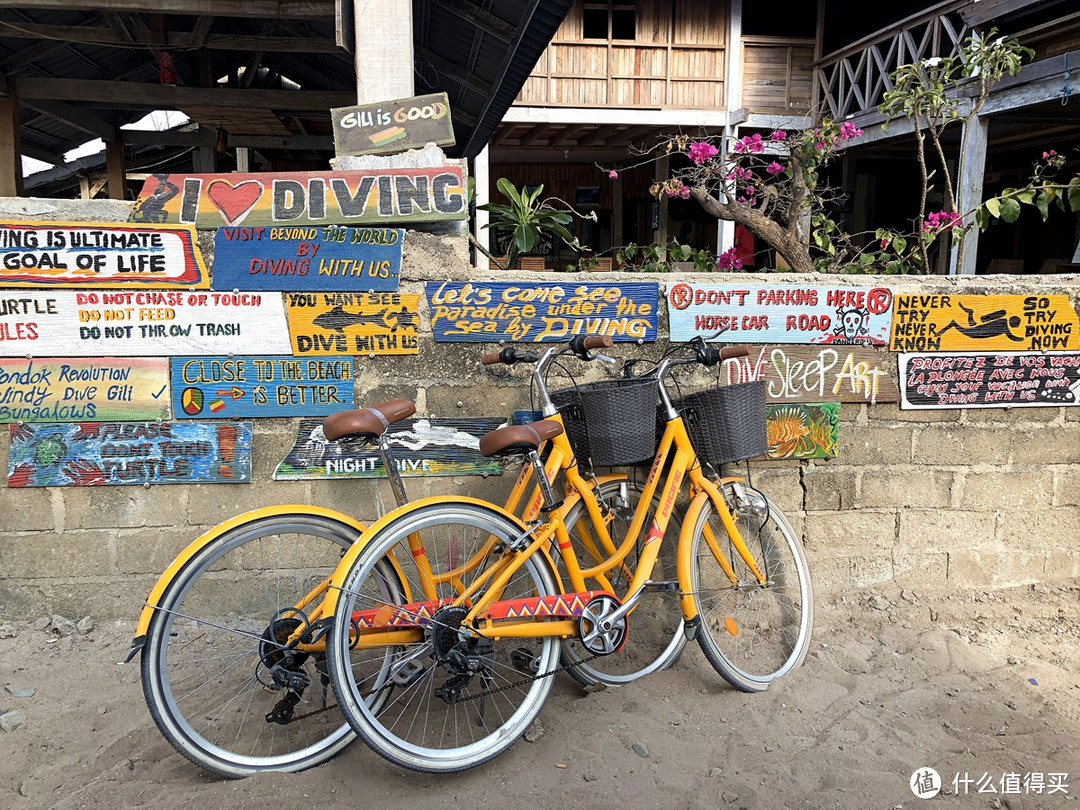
(610, 422)
(727, 423)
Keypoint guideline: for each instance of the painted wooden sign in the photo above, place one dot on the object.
(780, 314)
(353, 323)
(304, 198)
(68, 254)
(997, 380)
(798, 373)
(803, 430)
(421, 447)
(139, 324)
(931, 323)
(87, 454)
(308, 258)
(103, 389)
(393, 126)
(234, 387)
(482, 312)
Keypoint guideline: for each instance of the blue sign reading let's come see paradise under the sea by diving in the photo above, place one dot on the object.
(308, 258)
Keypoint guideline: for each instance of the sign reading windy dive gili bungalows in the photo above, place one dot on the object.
(353, 323)
(375, 198)
(779, 314)
(87, 454)
(68, 254)
(973, 323)
(147, 323)
(308, 258)
(481, 312)
(393, 126)
(998, 380)
(234, 387)
(105, 389)
(420, 446)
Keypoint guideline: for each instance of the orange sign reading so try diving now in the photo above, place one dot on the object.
(930, 323)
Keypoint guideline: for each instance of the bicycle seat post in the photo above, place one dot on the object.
(392, 473)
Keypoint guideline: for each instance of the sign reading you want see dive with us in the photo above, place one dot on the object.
(304, 198)
(780, 314)
(353, 323)
(393, 126)
(308, 258)
(90, 454)
(481, 312)
(244, 387)
(103, 254)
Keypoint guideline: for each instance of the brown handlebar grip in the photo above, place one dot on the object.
(598, 342)
(728, 352)
(491, 359)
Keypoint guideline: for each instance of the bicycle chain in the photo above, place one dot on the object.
(538, 676)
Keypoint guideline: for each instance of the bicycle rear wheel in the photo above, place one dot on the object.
(655, 638)
(752, 633)
(449, 698)
(214, 645)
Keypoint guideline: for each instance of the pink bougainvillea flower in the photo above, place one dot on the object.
(701, 151)
(940, 220)
(685, 192)
(743, 174)
(884, 243)
(749, 143)
(614, 175)
(728, 261)
(848, 131)
(778, 135)
(774, 168)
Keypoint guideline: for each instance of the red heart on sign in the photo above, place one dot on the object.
(234, 202)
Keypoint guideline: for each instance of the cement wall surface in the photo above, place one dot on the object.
(933, 499)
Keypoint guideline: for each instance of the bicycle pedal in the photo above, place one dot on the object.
(666, 586)
(408, 674)
(524, 661)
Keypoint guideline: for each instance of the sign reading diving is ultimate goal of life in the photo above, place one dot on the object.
(780, 314)
(68, 254)
(308, 258)
(480, 312)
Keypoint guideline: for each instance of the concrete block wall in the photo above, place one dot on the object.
(974, 498)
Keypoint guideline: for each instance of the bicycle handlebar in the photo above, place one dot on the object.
(581, 345)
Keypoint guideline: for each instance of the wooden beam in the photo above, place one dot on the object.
(75, 117)
(11, 184)
(159, 96)
(114, 165)
(268, 9)
(208, 137)
(484, 20)
(456, 72)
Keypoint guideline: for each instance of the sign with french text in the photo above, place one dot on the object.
(779, 314)
(105, 254)
(90, 454)
(353, 323)
(146, 323)
(978, 323)
(803, 430)
(308, 258)
(393, 126)
(485, 312)
(103, 389)
(246, 387)
(996, 380)
(376, 197)
(801, 373)
(433, 447)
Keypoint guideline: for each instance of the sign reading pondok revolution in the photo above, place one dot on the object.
(90, 454)
(780, 314)
(232, 387)
(481, 312)
(998, 380)
(67, 254)
(103, 389)
(146, 323)
(308, 258)
(393, 126)
(304, 198)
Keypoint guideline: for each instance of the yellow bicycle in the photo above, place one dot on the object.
(449, 614)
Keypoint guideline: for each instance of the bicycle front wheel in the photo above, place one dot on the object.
(752, 633)
(219, 684)
(447, 697)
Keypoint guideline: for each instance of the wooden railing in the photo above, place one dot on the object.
(852, 80)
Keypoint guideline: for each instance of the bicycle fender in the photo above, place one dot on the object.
(203, 540)
(337, 581)
(684, 562)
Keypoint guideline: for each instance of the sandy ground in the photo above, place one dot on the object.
(981, 685)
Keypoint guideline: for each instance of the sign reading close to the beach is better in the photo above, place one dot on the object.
(104, 254)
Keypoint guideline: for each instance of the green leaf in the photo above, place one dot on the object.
(899, 244)
(1074, 197)
(1010, 210)
(982, 217)
(1042, 202)
(993, 206)
(508, 191)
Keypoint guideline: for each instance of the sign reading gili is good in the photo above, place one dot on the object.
(393, 126)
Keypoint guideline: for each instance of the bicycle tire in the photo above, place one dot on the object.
(656, 636)
(752, 634)
(204, 666)
(413, 726)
